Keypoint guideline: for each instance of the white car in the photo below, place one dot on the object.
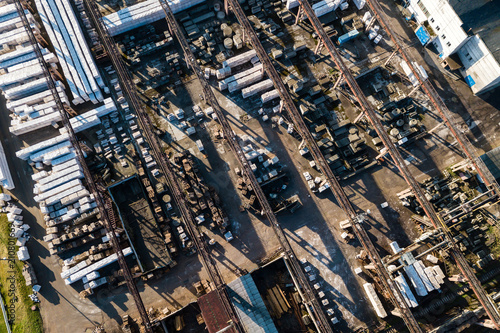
(307, 176)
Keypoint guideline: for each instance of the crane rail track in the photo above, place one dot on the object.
(104, 203)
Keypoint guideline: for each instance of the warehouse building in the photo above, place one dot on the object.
(465, 34)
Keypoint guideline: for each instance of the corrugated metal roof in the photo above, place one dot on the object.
(213, 312)
(481, 17)
(492, 161)
(250, 307)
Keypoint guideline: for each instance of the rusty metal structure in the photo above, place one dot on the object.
(103, 201)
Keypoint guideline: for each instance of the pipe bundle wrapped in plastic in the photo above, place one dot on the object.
(143, 13)
(72, 50)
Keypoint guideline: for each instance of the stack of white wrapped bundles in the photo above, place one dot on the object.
(269, 96)
(33, 100)
(359, 3)
(240, 78)
(5, 176)
(20, 55)
(16, 36)
(80, 70)
(77, 272)
(141, 14)
(23, 83)
(257, 88)
(239, 59)
(91, 118)
(10, 20)
(25, 153)
(60, 193)
(326, 6)
(290, 4)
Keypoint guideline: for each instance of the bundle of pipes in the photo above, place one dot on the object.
(269, 96)
(224, 84)
(143, 13)
(239, 59)
(257, 88)
(80, 70)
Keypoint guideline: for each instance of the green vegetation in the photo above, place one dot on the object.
(492, 242)
(26, 320)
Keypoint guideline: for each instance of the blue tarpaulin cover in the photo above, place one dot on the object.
(422, 35)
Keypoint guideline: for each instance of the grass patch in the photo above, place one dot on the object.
(26, 320)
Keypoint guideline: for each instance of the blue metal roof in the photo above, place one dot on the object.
(249, 305)
(470, 81)
(422, 35)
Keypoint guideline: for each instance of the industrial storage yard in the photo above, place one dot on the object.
(249, 166)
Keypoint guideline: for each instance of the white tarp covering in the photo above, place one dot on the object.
(141, 14)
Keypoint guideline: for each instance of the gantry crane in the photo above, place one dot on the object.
(398, 160)
(356, 219)
(166, 167)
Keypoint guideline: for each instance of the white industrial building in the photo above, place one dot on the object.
(465, 34)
